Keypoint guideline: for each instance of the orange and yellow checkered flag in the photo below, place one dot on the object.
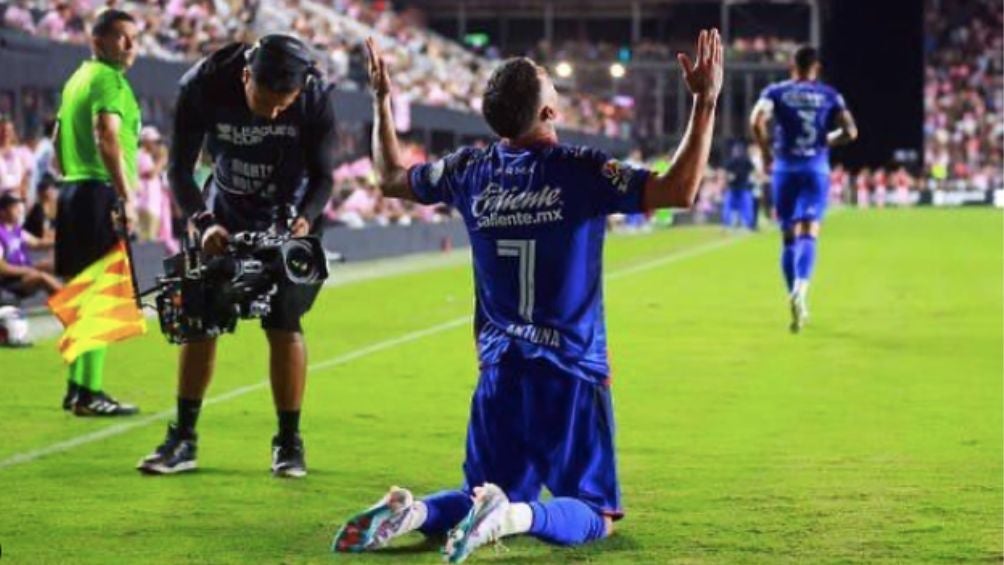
(98, 306)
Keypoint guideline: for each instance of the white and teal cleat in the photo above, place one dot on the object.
(482, 525)
(374, 528)
(799, 308)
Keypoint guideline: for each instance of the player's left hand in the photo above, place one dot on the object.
(704, 76)
(301, 227)
(379, 75)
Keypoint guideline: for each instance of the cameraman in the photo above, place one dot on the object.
(268, 124)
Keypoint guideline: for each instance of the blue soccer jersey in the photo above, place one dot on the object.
(739, 171)
(803, 112)
(537, 220)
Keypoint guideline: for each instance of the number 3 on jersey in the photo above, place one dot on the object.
(808, 138)
(525, 250)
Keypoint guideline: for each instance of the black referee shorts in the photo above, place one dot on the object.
(84, 228)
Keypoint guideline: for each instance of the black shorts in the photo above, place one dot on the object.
(290, 302)
(84, 229)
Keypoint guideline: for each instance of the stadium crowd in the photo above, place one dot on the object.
(964, 93)
(428, 68)
(172, 29)
(757, 49)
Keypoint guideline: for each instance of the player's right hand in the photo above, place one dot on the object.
(215, 240)
(379, 75)
(704, 76)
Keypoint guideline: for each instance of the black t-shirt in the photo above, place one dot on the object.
(258, 164)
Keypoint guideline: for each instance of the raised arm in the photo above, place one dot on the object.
(678, 187)
(846, 132)
(392, 176)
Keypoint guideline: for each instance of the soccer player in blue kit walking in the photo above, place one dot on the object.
(803, 109)
(535, 210)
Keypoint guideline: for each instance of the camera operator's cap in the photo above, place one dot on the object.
(281, 63)
(8, 198)
(149, 133)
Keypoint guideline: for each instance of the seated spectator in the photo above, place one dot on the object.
(41, 220)
(360, 207)
(17, 274)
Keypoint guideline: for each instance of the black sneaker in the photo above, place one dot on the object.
(100, 404)
(72, 392)
(288, 458)
(175, 455)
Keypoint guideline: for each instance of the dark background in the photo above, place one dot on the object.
(873, 53)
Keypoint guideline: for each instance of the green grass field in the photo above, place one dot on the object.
(874, 436)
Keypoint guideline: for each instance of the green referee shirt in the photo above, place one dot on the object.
(94, 88)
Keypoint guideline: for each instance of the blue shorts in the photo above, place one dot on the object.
(800, 196)
(737, 204)
(533, 425)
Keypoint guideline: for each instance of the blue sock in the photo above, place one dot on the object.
(445, 510)
(806, 257)
(566, 521)
(788, 263)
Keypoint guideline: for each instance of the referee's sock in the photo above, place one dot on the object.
(93, 370)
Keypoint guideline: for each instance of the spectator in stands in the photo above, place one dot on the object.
(16, 161)
(152, 203)
(964, 91)
(55, 23)
(18, 16)
(880, 187)
(41, 220)
(17, 274)
(360, 207)
(862, 186)
(42, 151)
(903, 183)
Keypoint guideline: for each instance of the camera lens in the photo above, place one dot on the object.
(300, 262)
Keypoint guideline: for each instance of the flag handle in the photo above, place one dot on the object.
(121, 226)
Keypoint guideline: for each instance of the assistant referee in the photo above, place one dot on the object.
(97, 137)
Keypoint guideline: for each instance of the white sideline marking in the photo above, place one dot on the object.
(144, 421)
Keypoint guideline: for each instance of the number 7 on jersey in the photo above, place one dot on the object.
(525, 250)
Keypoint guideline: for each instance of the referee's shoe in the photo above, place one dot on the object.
(89, 403)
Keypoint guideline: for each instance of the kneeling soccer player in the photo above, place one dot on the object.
(535, 211)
